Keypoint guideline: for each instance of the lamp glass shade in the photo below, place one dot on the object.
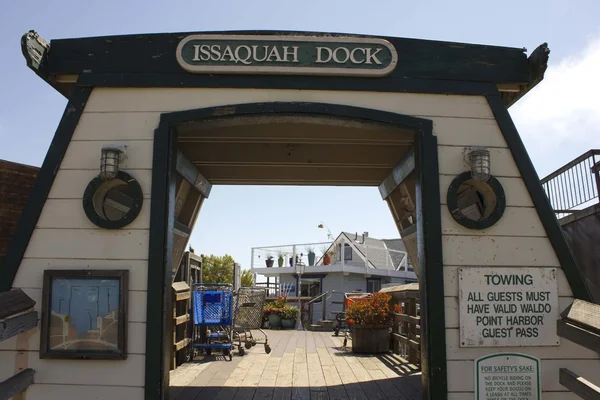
(479, 158)
(109, 163)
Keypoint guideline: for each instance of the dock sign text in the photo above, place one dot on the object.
(509, 376)
(291, 55)
(508, 307)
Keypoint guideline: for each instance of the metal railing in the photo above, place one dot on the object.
(576, 184)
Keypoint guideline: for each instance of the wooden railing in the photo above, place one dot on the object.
(580, 323)
(181, 322)
(16, 316)
(406, 336)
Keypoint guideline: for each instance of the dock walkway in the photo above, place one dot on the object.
(302, 365)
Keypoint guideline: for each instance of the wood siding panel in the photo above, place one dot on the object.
(119, 244)
(452, 162)
(514, 190)
(69, 214)
(173, 99)
(86, 155)
(498, 251)
(129, 372)
(92, 392)
(516, 221)
(31, 270)
(118, 126)
(71, 184)
(467, 132)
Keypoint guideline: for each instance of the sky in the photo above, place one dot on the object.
(558, 120)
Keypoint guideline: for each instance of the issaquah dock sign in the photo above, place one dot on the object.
(289, 55)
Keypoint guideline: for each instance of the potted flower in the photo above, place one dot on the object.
(280, 256)
(288, 316)
(269, 261)
(274, 312)
(370, 319)
(311, 255)
(297, 259)
(326, 255)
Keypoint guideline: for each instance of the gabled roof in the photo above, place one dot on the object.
(378, 252)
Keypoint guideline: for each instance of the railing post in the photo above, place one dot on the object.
(252, 259)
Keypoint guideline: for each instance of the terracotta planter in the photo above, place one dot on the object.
(326, 259)
(370, 339)
(269, 263)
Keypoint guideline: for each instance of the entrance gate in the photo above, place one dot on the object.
(178, 113)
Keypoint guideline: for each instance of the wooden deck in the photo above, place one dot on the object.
(301, 365)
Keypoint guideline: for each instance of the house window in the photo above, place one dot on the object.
(373, 285)
(310, 287)
(347, 252)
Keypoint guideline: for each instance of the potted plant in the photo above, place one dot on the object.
(288, 316)
(326, 255)
(370, 319)
(311, 255)
(269, 261)
(274, 312)
(280, 256)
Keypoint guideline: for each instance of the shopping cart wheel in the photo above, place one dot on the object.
(226, 352)
(336, 331)
(208, 352)
(253, 343)
(241, 351)
(248, 345)
(267, 348)
(345, 342)
(230, 356)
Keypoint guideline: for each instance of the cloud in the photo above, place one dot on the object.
(560, 118)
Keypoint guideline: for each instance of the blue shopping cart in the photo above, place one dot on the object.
(212, 311)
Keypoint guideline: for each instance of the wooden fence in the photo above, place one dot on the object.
(16, 316)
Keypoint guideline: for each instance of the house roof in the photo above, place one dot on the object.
(377, 251)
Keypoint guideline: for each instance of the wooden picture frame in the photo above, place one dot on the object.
(81, 318)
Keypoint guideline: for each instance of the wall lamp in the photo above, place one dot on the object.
(479, 160)
(111, 156)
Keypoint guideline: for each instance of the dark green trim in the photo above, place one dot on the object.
(90, 211)
(540, 200)
(431, 273)
(417, 58)
(41, 188)
(484, 223)
(429, 238)
(399, 173)
(159, 255)
(386, 84)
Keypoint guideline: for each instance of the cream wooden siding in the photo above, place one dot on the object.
(64, 238)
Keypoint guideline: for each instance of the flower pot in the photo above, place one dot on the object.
(326, 259)
(370, 339)
(274, 321)
(288, 323)
(280, 262)
(269, 263)
(311, 259)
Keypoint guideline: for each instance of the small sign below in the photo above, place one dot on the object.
(508, 376)
(289, 55)
(508, 307)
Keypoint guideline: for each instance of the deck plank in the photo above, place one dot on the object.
(302, 365)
